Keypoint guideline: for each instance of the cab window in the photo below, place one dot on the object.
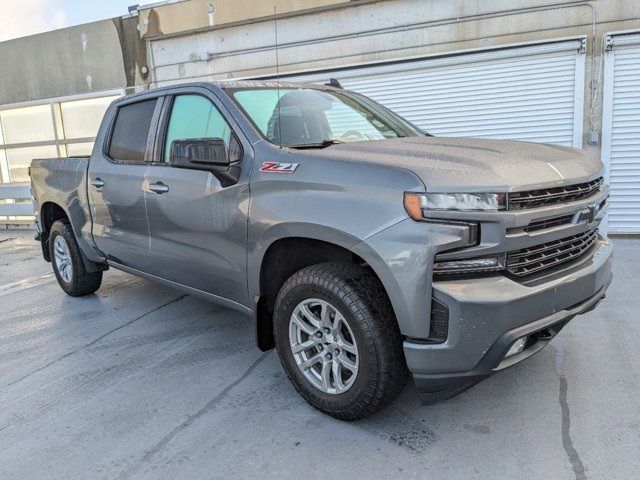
(131, 131)
(194, 116)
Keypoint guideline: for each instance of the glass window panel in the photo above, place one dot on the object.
(79, 149)
(307, 116)
(194, 116)
(130, 132)
(81, 118)
(260, 105)
(20, 158)
(28, 124)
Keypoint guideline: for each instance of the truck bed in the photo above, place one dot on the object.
(63, 181)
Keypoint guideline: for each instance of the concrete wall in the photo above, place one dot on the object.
(369, 32)
(71, 61)
(192, 15)
(393, 29)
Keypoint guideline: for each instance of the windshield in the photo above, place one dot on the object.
(309, 118)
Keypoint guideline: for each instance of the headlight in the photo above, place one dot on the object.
(414, 203)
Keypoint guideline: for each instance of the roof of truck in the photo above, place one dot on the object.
(230, 84)
(265, 84)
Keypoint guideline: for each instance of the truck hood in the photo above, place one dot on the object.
(473, 164)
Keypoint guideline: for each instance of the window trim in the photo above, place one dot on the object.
(163, 126)
(153, 125)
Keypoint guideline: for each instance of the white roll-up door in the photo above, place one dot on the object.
(531, 93)
(621, 132)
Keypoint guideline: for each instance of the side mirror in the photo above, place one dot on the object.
(210, 154)
(199, 153)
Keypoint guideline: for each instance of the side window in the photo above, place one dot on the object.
(194, 116)
(131, 130)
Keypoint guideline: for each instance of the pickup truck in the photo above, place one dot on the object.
(365, 249)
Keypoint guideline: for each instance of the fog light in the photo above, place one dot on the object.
(468, 265)
(517, 347)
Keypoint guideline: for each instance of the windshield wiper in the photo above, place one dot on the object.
(323, 144)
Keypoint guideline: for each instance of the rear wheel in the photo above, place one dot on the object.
(67, 262)
(338, 340)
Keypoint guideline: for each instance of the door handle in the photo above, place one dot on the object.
(159, 187)
(97, 182)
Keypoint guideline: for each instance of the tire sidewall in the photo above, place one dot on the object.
(365, 379)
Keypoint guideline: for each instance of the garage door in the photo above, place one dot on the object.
(530, 93)
(621, 132)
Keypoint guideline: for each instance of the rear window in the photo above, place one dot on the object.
(131, 130)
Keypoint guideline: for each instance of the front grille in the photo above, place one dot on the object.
(547, 255)
(543, 224)
(553, 196)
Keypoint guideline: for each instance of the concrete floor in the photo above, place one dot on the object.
(139, 381)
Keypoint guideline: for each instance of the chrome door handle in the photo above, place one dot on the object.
(159, 187)
(97, 182)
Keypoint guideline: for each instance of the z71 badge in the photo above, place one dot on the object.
(275, 167)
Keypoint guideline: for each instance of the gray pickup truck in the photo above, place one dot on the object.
(365, 248)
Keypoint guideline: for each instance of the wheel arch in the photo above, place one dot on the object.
(50, 212)
(284, 255)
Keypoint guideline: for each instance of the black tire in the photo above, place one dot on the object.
(81, 282)
(363, 303)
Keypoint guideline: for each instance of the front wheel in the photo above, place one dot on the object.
(67, 262)
(338, 340)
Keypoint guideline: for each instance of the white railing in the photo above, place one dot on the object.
(16, 206)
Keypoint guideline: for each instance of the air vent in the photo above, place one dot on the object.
(439, 326)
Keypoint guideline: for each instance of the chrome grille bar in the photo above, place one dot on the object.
(548, 255)
(552, 196)
(542, 224)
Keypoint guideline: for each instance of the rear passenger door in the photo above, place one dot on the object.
(115, 184)
(198, 226)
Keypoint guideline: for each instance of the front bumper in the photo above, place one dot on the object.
(486, 315)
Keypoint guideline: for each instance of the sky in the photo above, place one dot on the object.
(19, 18)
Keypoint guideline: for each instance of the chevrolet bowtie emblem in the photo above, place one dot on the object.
(587, 214)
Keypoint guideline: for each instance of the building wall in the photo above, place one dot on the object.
(176, 18)
(71, 61)
(369, 32)
(56, 86)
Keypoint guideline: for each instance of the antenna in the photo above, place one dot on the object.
(275, 27)
(333, 82)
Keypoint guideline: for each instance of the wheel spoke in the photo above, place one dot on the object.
(326, 374)
(337, 320)
(307, 364)
(347, 362)
(348, 347)
(337, 375)
(304, 326)
(343, 342)
(325, 315)
(301, 347)
(310, 316)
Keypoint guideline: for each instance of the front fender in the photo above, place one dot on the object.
(402, 257)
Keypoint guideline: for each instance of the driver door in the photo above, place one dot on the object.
(198, 228)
